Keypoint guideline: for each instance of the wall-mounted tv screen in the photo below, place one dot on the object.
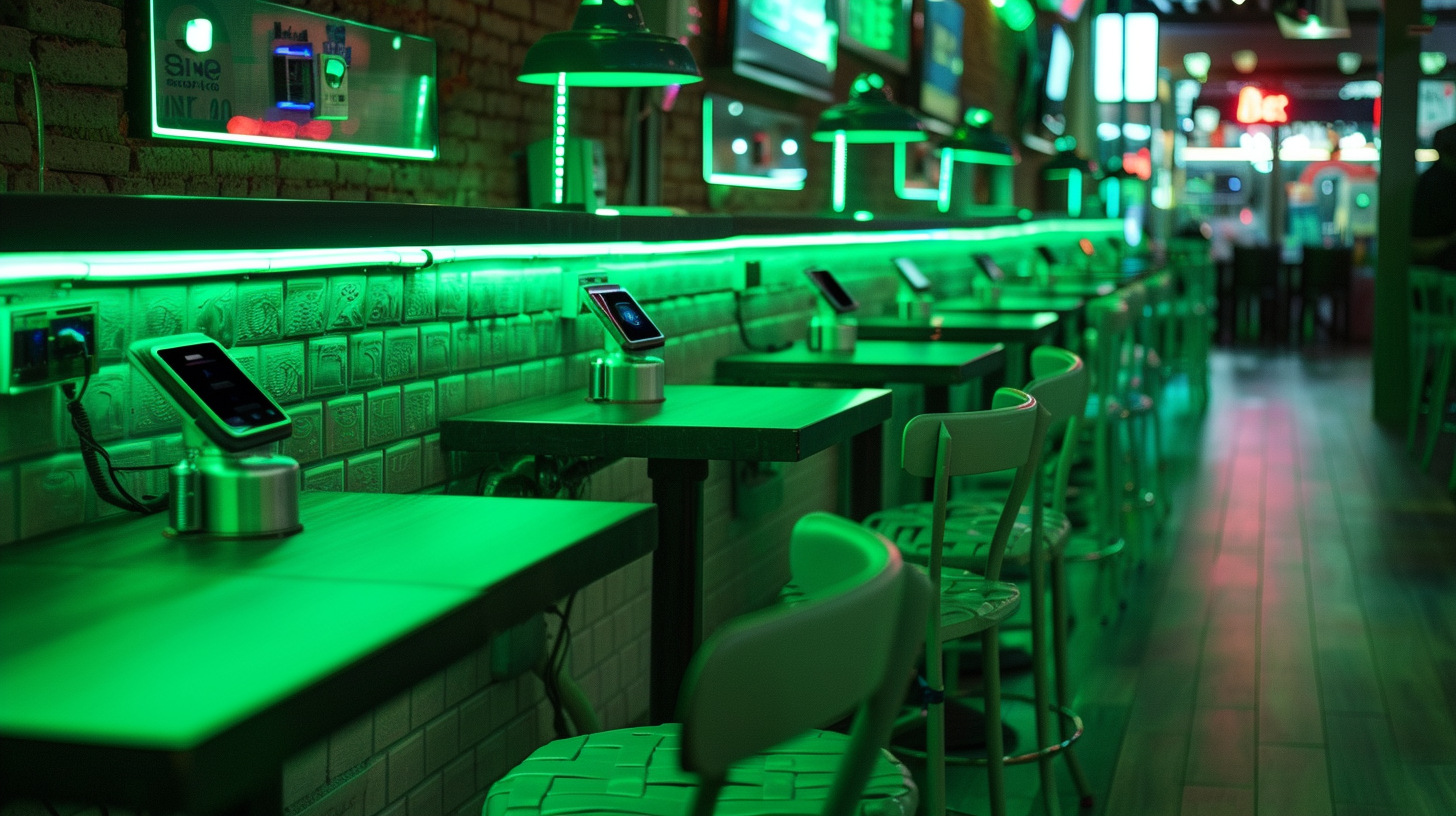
(789, 44)
(940, 60)
(877, 29)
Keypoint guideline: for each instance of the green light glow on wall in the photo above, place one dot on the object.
(422, 109)
(841, 158)
(1018, 15)
(984, 157)
(140, 266)
(558, 141)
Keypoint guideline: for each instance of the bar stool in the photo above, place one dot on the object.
(1256, 283)
(1441, 327)
(1191, 262)
(752, 699)
(1427, 332)
(1325, 273)
(1060, 385)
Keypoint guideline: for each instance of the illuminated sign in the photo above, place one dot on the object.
(1256, 106)
(1139, 164)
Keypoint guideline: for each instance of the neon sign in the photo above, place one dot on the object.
(1255, 106)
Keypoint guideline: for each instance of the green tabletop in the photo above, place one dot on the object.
(964, 327)
(871, 362)
(1013, 300)
(179, 676)
(695, 422)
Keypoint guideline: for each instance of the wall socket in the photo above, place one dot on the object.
(42, 344)
(571, 304)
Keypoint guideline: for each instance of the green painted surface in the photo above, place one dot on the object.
(1015, 302)
(695, 422)
(964, 327)
(872, 361)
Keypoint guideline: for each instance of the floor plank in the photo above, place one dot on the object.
(1293, 781)
(1200, 800)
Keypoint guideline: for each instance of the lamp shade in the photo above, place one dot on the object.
(869, 117)
(609, 46)
(975, 143)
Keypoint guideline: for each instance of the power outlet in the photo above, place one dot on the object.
(571, 303)
(42, 344)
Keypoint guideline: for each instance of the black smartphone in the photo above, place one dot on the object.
(912, 275)
(624, 317)
(831, 291)
(208, 386)
(1047, 255)
(989, 267)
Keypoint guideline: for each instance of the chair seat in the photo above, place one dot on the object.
(968, 602)
(969, 525)
(638, 771)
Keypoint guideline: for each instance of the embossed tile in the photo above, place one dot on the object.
(402, 467)
(366, 359)
(113, 317)
(344, 425)
(105, 402)
(521, 341)
(307, 443)
(466, 337)
(247, 359)
(151, 412)
(451, 398)
(541, 289)
(365, 473)
(433, 456)
(507, 385)
(434, 349)
(141, 484)
(556, 376)
(326, 365)
(29, 424)
(401, 354)
(260, 311)
(52, 494)
(212, 308)
(533, 379)
(419, 407)
(479, 389)
(168, 450)
(303, 306)
(451, 294)
(496, 343)
(284, 370)
(8, 521)
(547, 327)
(508, 298)
(419, 296)
(344, 307)
(385, 304)
(158, 311)
(382, 407)
(324, 477)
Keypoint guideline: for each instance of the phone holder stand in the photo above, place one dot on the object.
(621, 376)
(911, 304)
(218, 494)
(991, 294)
(832, 331)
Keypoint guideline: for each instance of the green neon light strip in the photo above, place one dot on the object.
(558, 141)
(902, 168)
(985, 157)
(1074, 194)
(735, 179)
(947, 166)
(421, 108)
(116, 266)
(265, 141)
(841, 157)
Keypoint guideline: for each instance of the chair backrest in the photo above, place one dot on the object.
(1326, 269)
(849, 645)
(942, 446)
(1255, 266)
(1060, 385)
(1109, 319)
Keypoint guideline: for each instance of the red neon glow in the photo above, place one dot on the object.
(1256, 106)
(1139, 164)
(1246, 216)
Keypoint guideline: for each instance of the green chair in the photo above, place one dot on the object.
(1440, 347)
(1194, 305)
(753, 698)
(1060, 386)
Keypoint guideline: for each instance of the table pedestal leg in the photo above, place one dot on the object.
(677, 577)
(866, 461)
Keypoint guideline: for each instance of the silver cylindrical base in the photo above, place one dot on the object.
(618, 378)
(832, 335)
(245, 497)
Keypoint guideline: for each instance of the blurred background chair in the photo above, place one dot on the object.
(1325, 274)
(1257, 294)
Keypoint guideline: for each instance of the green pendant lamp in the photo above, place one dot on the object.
(1069, 167)
(608, 46)
(869, 117)
(974, 142)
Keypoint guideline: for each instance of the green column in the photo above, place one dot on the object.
(1400, 74)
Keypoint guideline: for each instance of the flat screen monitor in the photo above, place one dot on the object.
(789, 44)
(940, 60)
(876, 29)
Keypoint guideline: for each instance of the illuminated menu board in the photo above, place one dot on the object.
(789, 44)
(878, 29)
(941, 64)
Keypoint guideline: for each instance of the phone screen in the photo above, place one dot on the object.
(989, 267)
(212, 376)
(912, 274)
(824, 281)
(1047, 255)
(624, 311)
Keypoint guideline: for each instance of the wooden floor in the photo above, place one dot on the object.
(1289, 647)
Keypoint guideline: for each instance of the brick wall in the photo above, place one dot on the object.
(97, 143)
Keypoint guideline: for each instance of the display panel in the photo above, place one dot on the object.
(989, 267)
(941, 63)
(877, 29)
(829, 288)
(912, 275)
(746, 145)
(789, 44)
(256, 73)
